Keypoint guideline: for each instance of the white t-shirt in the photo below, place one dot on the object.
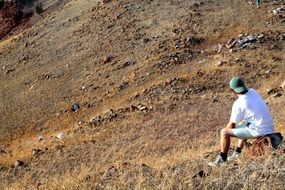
(251, 108)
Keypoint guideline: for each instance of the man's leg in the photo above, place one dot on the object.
(241, 142)
(225, 142)
(240, 145)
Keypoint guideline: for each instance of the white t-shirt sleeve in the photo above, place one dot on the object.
(237, 114)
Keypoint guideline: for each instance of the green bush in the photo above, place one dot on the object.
(39, 8)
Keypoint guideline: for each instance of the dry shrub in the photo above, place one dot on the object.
(260, 147)
(39, 8)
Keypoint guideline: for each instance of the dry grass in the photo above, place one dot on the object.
(166, 147)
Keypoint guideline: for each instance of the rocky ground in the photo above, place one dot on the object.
(132, 94)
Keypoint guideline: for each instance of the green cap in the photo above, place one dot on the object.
(237, 85)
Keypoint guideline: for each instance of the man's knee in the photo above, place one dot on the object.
(225, 132)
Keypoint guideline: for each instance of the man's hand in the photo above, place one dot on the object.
(231, 125)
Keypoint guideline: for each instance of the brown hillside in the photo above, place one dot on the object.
(151, 78)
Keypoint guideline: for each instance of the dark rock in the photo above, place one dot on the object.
(97, 120)
(186, 91)
(36, 152)
(272, 91)
(108, 59)
(126, 64)
(111, 115)
(201, 174)
(60, 148)
(107, 1)
(2, 151)
(9, 71)
(145, 40)
(75, 107)
(124, 85)
(41, 138)
(18, 163)
(194, 40)
(215, 100)
(177, 30)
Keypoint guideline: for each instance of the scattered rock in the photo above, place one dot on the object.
(268, 72)
(201, 174)
(126, 64)
(230, 43)
(41, 138)
(81, 122)
(18, 163)
(220, 63)
(107, 1)
(146, 40)
(279, 12)
(75, 107)
(60, 135)
(83, 88)
(275, 95)
(36, 152)
(141, 107)
(96, 120)
(187, 91)
(107, 117)
(111, 115)
(2, 150)
(108, 59)
(111, 172)
(194, 40)
(244, 41)
(220, 48)
(52, 75)
(271, 91)
(177, 31)
(9, 71)
(124, 85)
(283, 85)
(239, 60)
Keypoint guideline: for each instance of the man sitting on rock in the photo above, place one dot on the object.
(250, 119)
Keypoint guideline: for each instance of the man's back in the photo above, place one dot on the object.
(252, 108)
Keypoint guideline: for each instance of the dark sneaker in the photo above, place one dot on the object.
(234, 156)
(218, 162)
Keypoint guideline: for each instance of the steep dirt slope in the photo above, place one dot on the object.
(151, 78)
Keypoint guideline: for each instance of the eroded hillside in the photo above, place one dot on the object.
(151, 79)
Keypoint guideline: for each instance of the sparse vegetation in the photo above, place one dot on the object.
(39, 8)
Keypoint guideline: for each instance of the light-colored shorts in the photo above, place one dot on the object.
(245, 132)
